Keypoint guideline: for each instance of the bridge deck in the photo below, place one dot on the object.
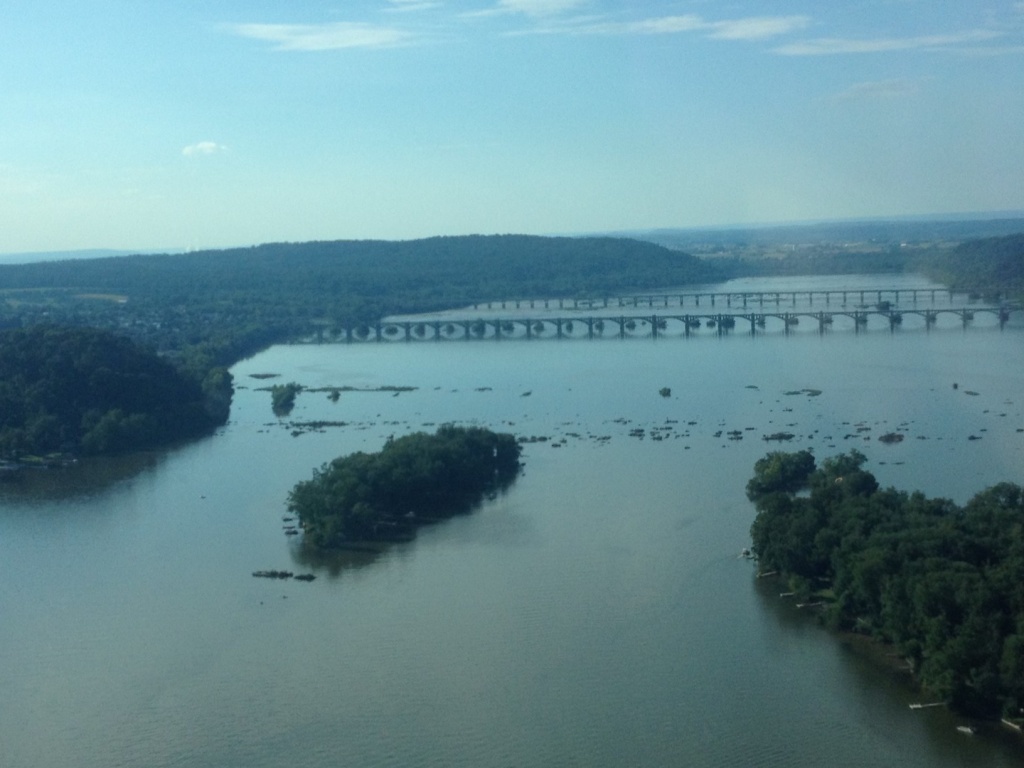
(670, 324)
(744, 299)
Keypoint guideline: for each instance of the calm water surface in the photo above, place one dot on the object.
(597, 614)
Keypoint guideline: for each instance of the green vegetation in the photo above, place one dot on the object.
(282, 397)
(89, 391)
(216, 307)
(978, 265)
(415, 479)
(941, 583)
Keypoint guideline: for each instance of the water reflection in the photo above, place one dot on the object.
(88, 477)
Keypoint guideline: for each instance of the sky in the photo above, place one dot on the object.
(217, 123)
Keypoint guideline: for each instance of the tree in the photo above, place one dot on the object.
(780, 472)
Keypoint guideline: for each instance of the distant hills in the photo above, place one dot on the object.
(214, 307)
(895, 230)
(33, 257)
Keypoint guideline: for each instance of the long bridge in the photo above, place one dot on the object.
(662, 324)
(744, 299)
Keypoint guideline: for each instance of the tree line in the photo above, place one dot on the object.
(89, 391)
(944, 584)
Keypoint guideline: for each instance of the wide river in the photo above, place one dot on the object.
(596, 614)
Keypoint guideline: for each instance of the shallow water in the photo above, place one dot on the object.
(595, 614)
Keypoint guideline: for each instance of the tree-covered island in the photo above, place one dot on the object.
(943, 584)
(87, 391)
(415, 479)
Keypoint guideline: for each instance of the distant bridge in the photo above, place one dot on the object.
(657, 325)
(744, 299)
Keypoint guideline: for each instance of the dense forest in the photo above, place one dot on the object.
(943, 584)
(89, 391)
(980, 265)
(415, 479)
(212, 308)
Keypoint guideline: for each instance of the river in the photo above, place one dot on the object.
(596, 614)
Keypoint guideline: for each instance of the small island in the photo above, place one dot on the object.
(941, 584)
(413, 480)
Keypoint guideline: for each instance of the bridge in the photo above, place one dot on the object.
(662, 325)
(744, 299)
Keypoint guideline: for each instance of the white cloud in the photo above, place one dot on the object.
(758, 27)
(203, 148)
(411, 5)
(532, 8)
(752, 28)
(879, 89)
(834, 45)
(324, 37)
(665, 25)
(539, 7)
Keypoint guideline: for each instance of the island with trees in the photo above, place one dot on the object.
(415, 479)
(86, 391)
(942, 584)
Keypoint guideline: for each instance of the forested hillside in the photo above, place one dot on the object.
(90, 391)
(215, 307)
(995, 262)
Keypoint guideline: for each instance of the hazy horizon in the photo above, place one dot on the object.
(26, 257)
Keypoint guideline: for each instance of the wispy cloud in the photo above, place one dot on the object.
(405, 6)
(758, 27)
(826, 46)
(532, 8)
(874, 90)
(203, 148)
(539, 7)
(324, 37)
(751, 28)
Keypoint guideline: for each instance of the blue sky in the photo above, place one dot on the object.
(199, 123)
